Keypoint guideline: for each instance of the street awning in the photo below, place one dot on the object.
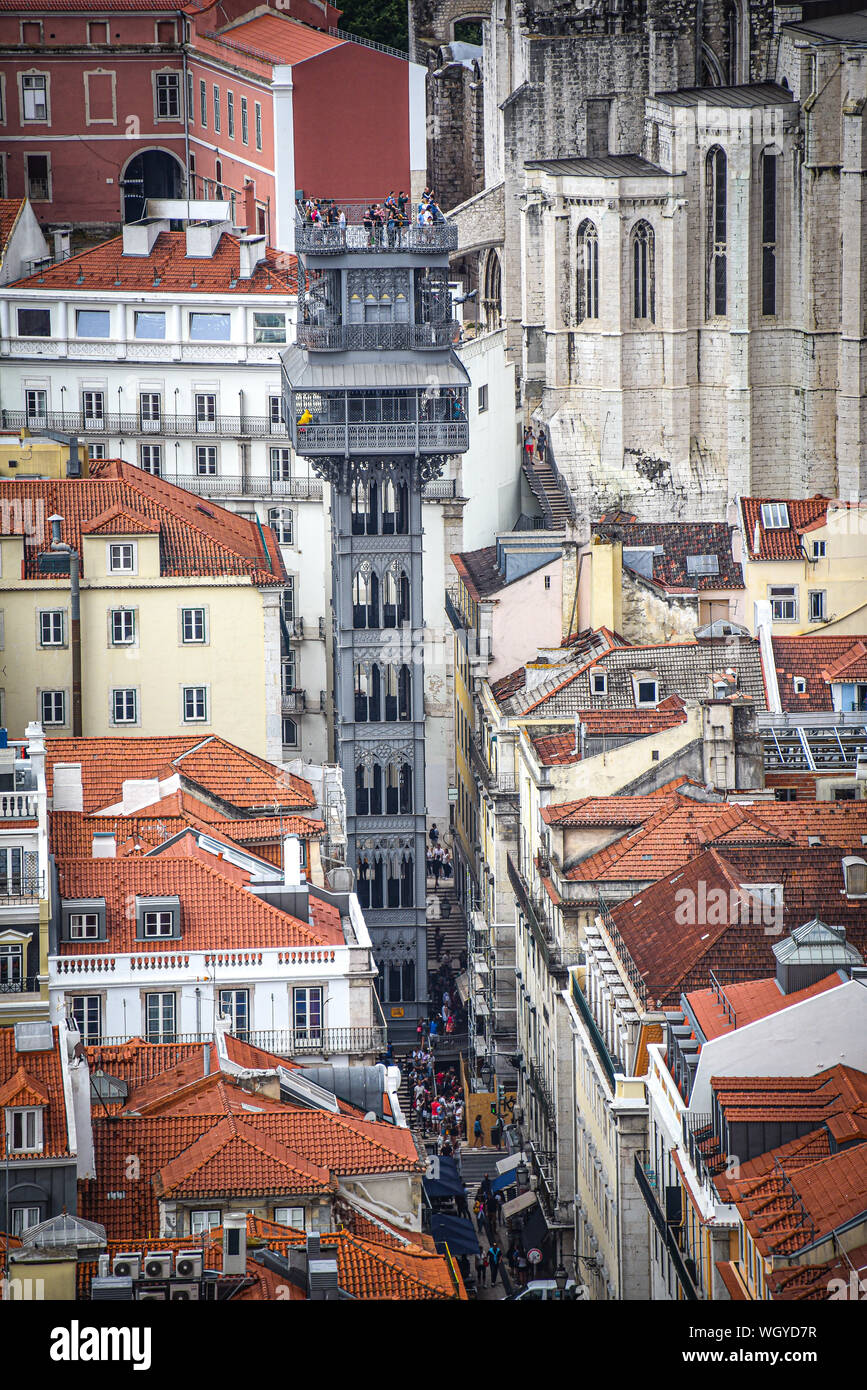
(522, 1203)
(462, 985)
(505, 1165)
(503, 1181)
(448, 1183)
(535, 1228)
(456, 1232)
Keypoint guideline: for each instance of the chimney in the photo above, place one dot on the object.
(235, 1242)
(68, 795)
(61, 236)
(252, 250)
(292, 873)
(139, 237)
(250, 206)
(104, 845)
(322, 1275)
(203, 238)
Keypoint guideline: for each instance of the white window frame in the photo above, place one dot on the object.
(124, 614)
(23, 87)
(93, 337)
(594, 677)
(89, 1034)
(34, 416)
(307, 1030)
(24, 23)
(799, 685)
(175, 75)
(282, 523)
(230, 115)
(100, 120)
(123, 691)
(261, 330)
(64, 708)
(207, 460)
(53, 614)
(94, 416)
(291, 1217)
(245, 122)
(280, 463)
(820, 550)
(258, 120)
(193, 641)
(206, 409)
(817, 600)
(159, 918)
(151, 454)
(49, 178)
(218, 112)
(204, 1219)
(150, 408)
(96, 450)
(646, 680)
(31, 1125)
(19, 1226)
(106, 29)
(80, 924)
(163, 1032)
(203, 103)
(783, 593)
(117, 550)
(775, 516)
(191, 695)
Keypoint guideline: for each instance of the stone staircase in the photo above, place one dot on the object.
(444, 911)
(544, 486)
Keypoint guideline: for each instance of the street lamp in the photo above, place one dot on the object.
(521, 1175)
(561, 1277)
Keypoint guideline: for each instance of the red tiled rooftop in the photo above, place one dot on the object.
(216, 912)
(278, 39)
(679, 539)
(234, 1157)
(819, 660)
(785, 1213)
(39, 1076)
(105, 267)
(783, 543)
(10, 210)
(750, 1000)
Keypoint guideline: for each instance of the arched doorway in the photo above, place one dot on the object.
(149, 174)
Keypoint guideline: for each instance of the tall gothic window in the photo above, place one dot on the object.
(368, 693)
(769, 233)
(395, 510)
(643, 272)
(368, 790)
(364, 507)
(492, 300)
(395, 598)
(715, 171)
(365, 599)
(587, 297)
(398, 694)
(398, 788)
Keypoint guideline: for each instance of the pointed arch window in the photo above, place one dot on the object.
(769, 233)
(398, 788)
(395, 598)
(368, 789)
(587, 295)
(492, 302)
(643, 272)
(364, 498)
(398, 694)
(395, 515)
(716, 171)
(365, 599)
(368, 693)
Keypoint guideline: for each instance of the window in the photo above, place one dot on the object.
(275, 414)
(191, 103)
(702, 564)
(646, 692)
(547, 581)
(166, 31)
(280, 519)
(210, 328)
(86, 1012)
(799, 685)
(51, 625)
(151, 458)
(93, 323)
(93, 409)
(34, 323)
(230, 115)
(157, 923)
(281, 465)
(168, 96)
(206, 459)
(235, 1006)
(269, 328)
(122, 627)
(769, 233)
(587, 295)
(149, 324)
(11, 958)
(854, 869)
(36, 404)
(96, 451)
(150, 409)
(307, 1011)
(206, 412)
(24, 1130)
(217, 122)
(97, 33)
(37, 168)
(598, 682)
(34, 97)
(784, 603)
(816, 602)
(483, 398)
(159, 1018)
(290, 733)
(83, 926)
(290, 1216)
(53, 706)
(244, 126)
(193, 624)
(258, 126)
(203, 1220)
(195, 704)
(775, 516)
(643, 287)
(124, 705)
(121, 558)
(11, 862)
(218, 179)
(785, 794)
(715, 173)
(24, 1219)
(203, 104)
(819, 550)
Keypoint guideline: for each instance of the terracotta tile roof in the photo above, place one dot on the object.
(278, 39)
(678, 539)
(209, 766)
(552, 749)
(813, 1283)
(105, 267)
(819, 660)
(749, 1001)
(832, 1102)
(194, 539)
(628, 811)
(234, 1157)
(478, 570)
(37, 1075)
(10, 211)
(216, 912)
(805, 513)
(509, 685)
(787, 1212)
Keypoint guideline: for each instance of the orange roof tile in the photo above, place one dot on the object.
(278, 39)
(23, 1089)
(234, 1157)
(39, 1074)
(105, 267)
(216, 912)
(194, 539)
(819, 659)
(786, 1212)
(749, 1000)
(10, 211)
(780, 543)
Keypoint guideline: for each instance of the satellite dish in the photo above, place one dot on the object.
(371, 1115)
(341, 880)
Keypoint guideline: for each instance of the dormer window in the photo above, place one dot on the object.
(799, 685)
(598, 682)
(855, 876)
(121, 558)
(646, 691)
(83, 919)
(775, 516)
(24, 1130)
(83, 926)
(158, 919)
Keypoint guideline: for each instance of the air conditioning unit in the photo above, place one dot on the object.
(126, 1266)
(111, 1288)
(158, 1265)
(188, 1264)
(183, 1293)
(158, 1293)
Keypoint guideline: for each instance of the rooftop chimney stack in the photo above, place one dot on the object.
(252, 251)
(104, 845)
(235, 1242)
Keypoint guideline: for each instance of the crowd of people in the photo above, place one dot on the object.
(437, 1099)
(382, 220)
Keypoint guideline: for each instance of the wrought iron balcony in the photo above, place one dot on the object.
(610, 1065)
(25, 984)
(363, 234)
(167, 423)
(667, 1220)
(21, 888)
(403, 437)
(456, 616)
(294, 489)
(285, 1042)
(543, 1095)
(294, 701)
(367, 337)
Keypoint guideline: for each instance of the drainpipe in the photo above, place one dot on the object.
(187, 112)
(75, 619)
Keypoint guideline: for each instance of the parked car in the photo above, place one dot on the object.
(547, 1289)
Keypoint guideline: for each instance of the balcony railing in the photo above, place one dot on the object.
(368, 337)
(21, 888)
(648, 1186)
(543, 1095)
(441, 437)
(294, 701)
(27, 984)
(133, 423)
(293, 489)
(283, 1042)
(609, 1064)
(363, 234)
(632, 972)
(456, 616)
(439, 490)
(18, 805)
